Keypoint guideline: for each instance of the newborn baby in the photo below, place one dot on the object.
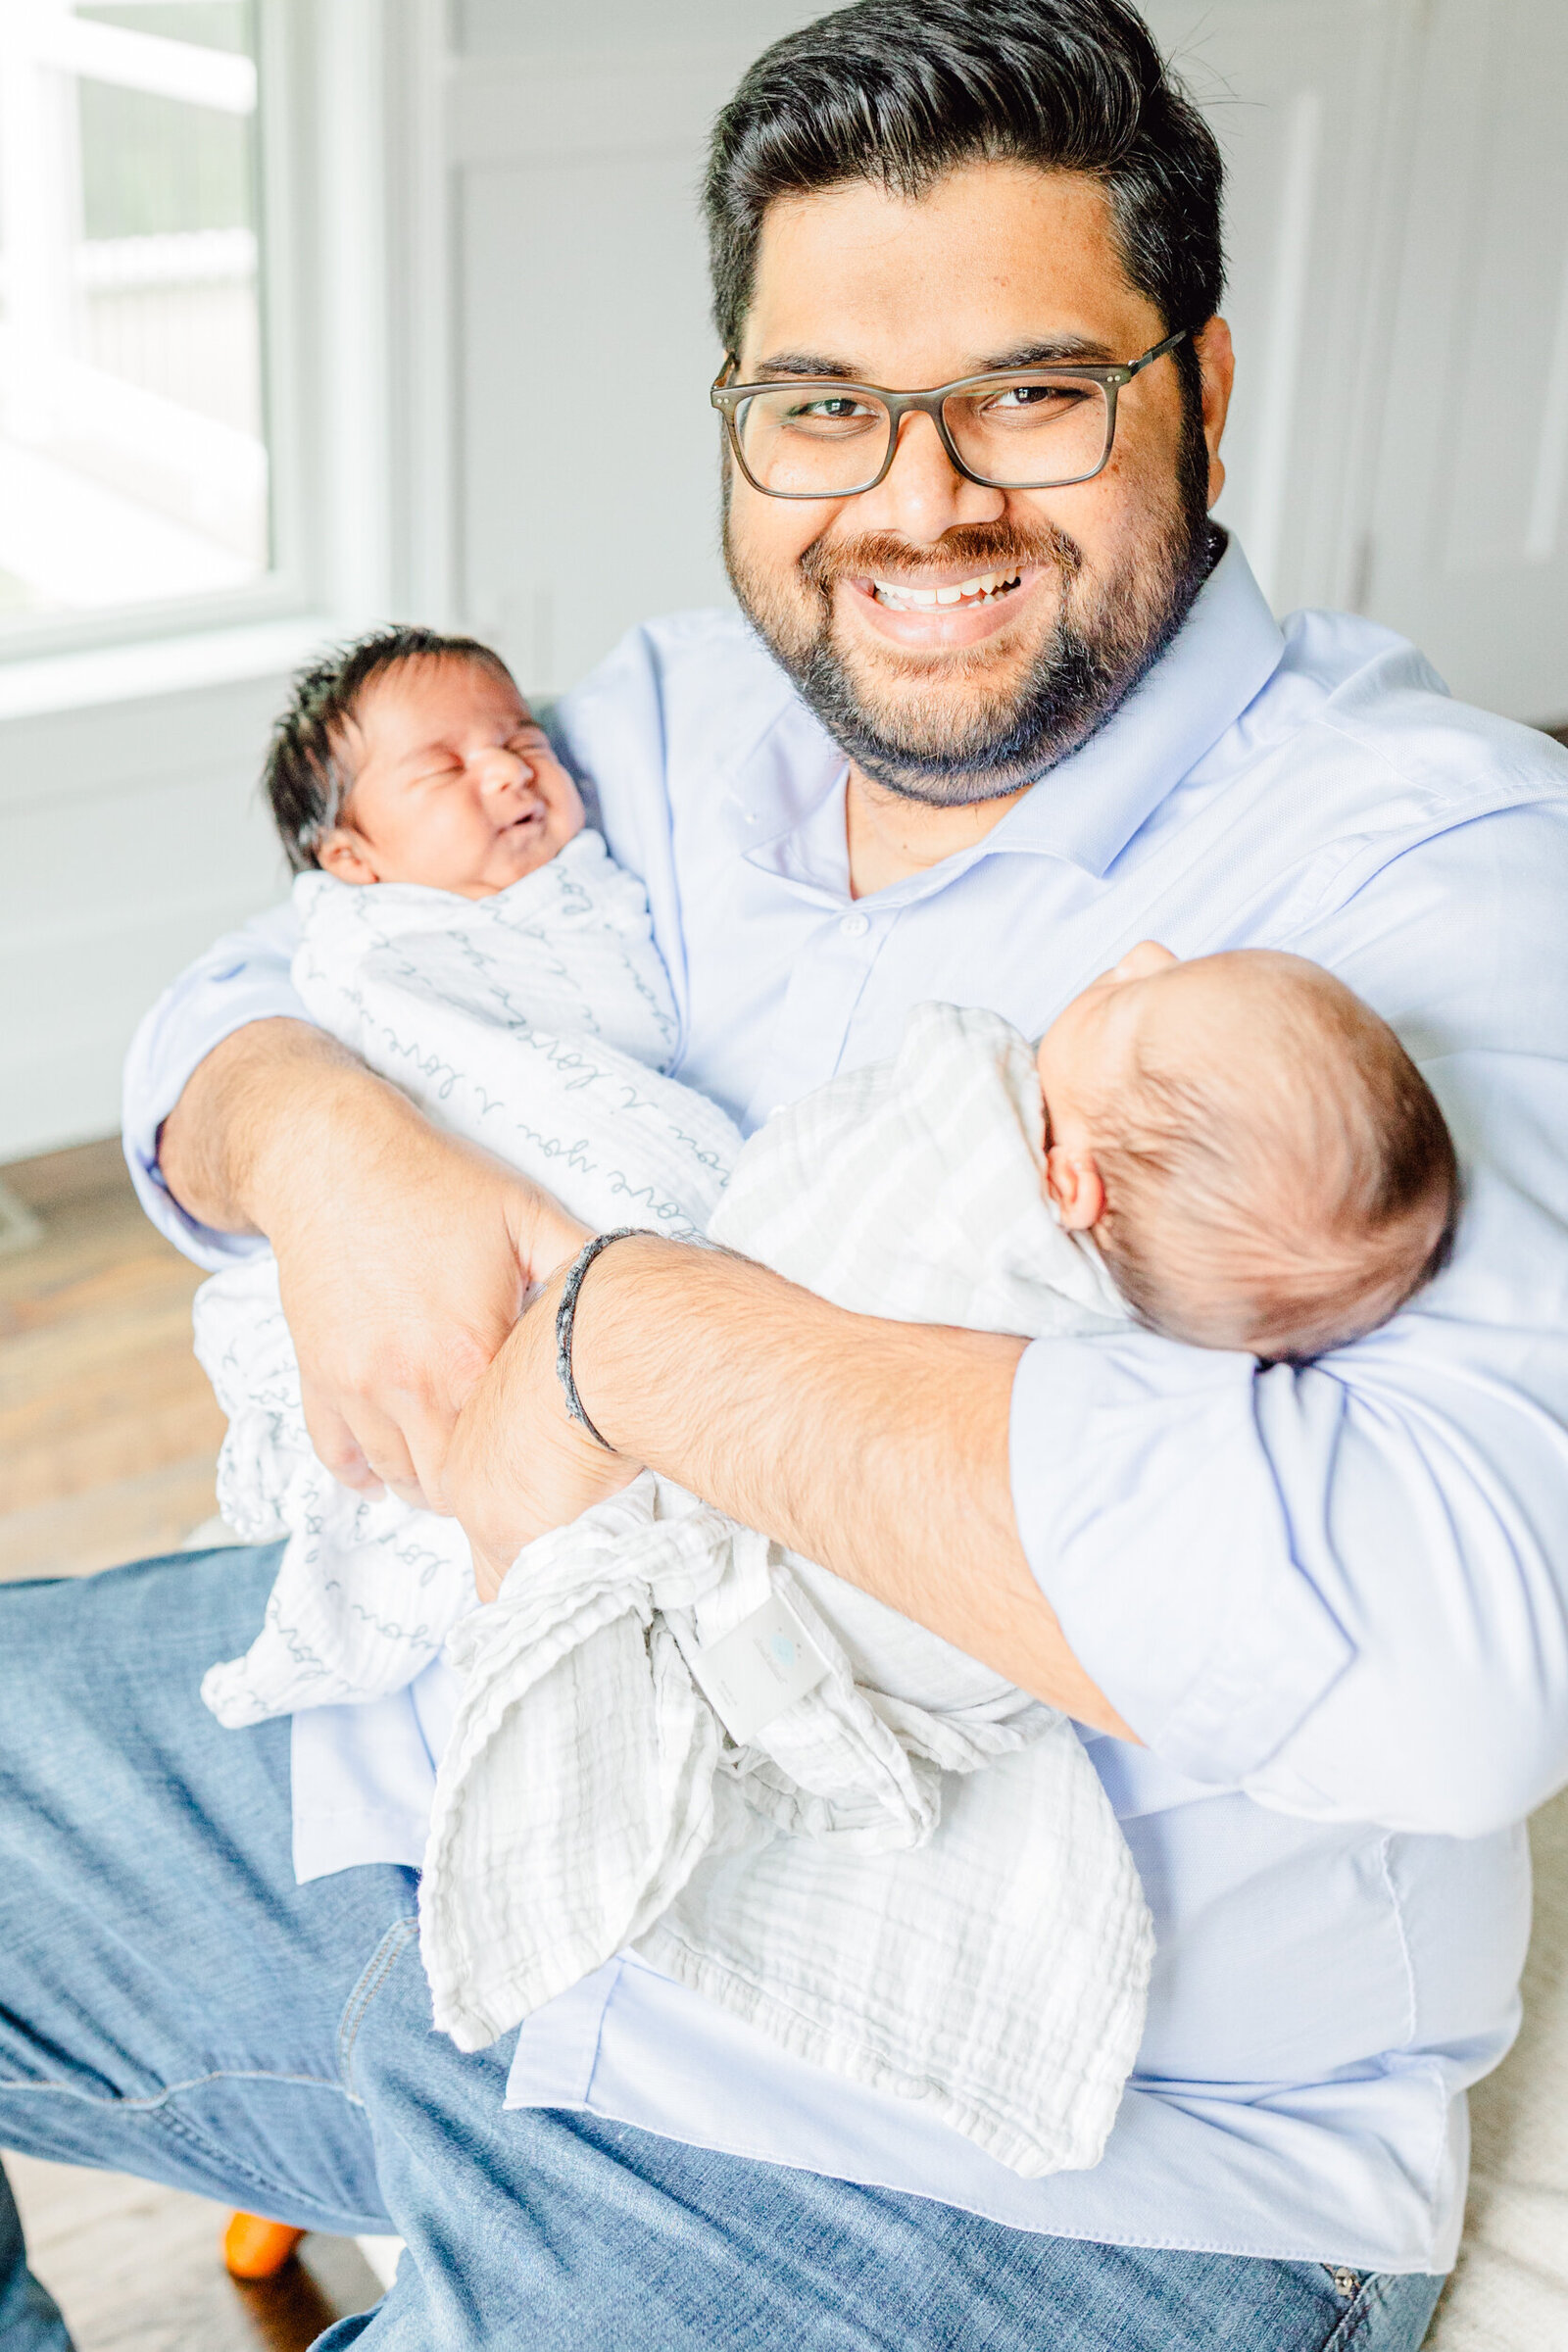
(1240, 1143)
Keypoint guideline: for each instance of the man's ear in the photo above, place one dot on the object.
(1216, 363)
(1072, 1181)
(339, 852)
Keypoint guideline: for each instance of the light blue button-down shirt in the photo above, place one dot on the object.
(1334, 1603)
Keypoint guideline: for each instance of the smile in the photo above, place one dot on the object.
(901, 596)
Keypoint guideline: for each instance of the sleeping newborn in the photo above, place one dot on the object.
(1233, 1150)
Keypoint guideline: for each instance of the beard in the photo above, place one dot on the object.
(965, 727)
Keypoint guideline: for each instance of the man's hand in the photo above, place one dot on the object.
(518, 1464)
(403, 1255)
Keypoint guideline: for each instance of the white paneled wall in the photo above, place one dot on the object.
(576, 162)
(1468, 522)
(1398, 240)
(130, 834)
(1305, 96)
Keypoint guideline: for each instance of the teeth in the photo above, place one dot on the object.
(903, 597)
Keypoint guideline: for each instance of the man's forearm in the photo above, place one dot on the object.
(404, 1253)
(242, 1104)
(880, 1449)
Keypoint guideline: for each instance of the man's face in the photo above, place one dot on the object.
(966, 701)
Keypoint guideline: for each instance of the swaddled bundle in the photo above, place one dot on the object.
(811, 1874)
(535, 1022)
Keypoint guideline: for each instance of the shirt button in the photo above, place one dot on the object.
(855, 926)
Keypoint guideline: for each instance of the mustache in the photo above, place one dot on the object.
(978, 546)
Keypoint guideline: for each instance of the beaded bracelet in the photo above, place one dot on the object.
(567, 1316)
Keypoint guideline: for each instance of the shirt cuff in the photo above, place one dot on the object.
(1150, 1516)
(182, 1028)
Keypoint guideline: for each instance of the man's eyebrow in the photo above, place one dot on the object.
(804, 363)
(1052, 351)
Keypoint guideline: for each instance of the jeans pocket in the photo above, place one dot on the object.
(385, 1957)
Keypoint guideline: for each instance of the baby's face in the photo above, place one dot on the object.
(454, 784)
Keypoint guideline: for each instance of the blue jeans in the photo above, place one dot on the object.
(173, 2005)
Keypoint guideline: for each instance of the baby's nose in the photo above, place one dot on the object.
(501, 769)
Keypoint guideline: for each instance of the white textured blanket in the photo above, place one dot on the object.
(976, 1942)
(535, 1023)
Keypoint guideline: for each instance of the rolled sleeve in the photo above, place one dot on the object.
(244, 977)
(1152, 1519)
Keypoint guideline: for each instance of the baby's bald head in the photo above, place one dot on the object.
(1273, 1171)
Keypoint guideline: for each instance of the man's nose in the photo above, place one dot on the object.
(921, 495)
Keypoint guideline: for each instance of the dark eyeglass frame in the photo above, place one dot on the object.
(1111, 375)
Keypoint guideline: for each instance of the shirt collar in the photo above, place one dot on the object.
(1088, 807)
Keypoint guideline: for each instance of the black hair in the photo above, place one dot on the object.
(305, 778)
(900, 92)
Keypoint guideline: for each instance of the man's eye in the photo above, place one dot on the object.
(822, 415)
(1023, 400)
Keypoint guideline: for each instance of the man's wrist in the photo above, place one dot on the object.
(566, 1320)
(600, 1362)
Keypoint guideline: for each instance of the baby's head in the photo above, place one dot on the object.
(1261, 1164)
(411, 757)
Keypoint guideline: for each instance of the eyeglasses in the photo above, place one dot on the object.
(1020, 429)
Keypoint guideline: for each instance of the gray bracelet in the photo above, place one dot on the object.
(567, 1316)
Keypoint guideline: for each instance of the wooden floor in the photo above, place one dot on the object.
(107, 1429)
(137, 2269)
(108, 1439)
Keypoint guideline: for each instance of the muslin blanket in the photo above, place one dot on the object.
(675, 1735)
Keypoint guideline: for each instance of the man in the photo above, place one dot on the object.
(1010, 720)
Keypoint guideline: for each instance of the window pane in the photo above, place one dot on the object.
(133, 463)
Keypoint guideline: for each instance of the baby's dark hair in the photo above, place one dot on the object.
(306, 778)
(1286, 1194)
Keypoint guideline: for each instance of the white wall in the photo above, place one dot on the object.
(576, 146)
(527, 193)
(130, 835)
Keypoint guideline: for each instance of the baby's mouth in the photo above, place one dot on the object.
(901, 596)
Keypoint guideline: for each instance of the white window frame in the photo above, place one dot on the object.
(354, 288)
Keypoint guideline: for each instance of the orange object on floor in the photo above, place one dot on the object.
(258, 2250)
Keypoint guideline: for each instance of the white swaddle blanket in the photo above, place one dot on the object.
(534, 1022)
(978, 1943)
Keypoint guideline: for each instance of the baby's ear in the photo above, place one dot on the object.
(1073, 1187)
(338, 853)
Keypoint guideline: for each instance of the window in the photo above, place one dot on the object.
(133, 447)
